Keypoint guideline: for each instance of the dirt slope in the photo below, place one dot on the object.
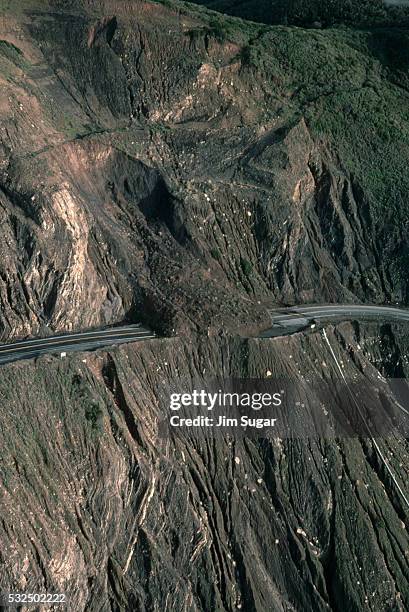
(154, 167)
(159, 164)
(121, 519)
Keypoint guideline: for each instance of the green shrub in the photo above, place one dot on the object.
(246, 266)
(93, 414)
(215, 253)
(218, 29)
(250, 56)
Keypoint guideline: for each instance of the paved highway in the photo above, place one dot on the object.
(83, 341)
(287, 321)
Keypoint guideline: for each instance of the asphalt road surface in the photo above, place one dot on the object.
(287, 321)
(83, 341)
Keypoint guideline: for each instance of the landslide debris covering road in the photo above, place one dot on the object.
(158, 166)
(194, 175)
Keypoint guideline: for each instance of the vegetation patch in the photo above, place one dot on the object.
(246, 266)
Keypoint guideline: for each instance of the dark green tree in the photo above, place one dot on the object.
(328, 12)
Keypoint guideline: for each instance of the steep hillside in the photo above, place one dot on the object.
(118, 518)
(162, 163)
(157, 164)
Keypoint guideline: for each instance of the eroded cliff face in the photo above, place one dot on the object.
(94, 503)
(157, 166)
(152, 170)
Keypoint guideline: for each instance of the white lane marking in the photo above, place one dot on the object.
(369, 312)
(86, 344)
(298, 315)
(78, 335)
(347, 308)
(56, 340)
(385, 462)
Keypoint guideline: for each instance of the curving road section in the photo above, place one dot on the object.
(285, 321)
(83, 341)
(290, 320)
